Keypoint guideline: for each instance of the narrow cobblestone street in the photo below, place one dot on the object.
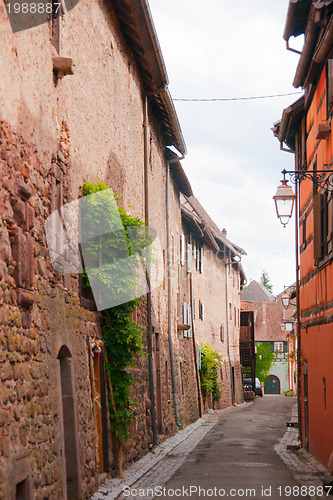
(239, 452)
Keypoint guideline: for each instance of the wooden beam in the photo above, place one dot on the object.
(63, 65)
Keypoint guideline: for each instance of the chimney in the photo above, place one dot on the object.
(224, 232)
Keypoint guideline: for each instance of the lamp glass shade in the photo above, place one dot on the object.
(283, 327)
(285, 299)
(284, 202)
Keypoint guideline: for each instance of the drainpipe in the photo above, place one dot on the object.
(325, 44)
(172, 367)
(228, 340)
(298, 318)
(149, 307)
(307, 49)
(195, 351)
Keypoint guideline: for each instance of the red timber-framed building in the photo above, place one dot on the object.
(306, 130)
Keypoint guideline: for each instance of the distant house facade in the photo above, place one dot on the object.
(246, 340)
(211, 274)
(269, 315)
(306, 130)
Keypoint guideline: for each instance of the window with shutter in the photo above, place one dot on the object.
(185, 317)
(182, 249)
(330, 223)
(189, 321)
(329, 86)
(317, 226)
(181, 378)
(323, 226)
(278, 346)
(304, 232)
(201, 259)
(189, 258)
(201, 310)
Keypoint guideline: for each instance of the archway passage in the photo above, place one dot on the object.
(272, 385)
(70, 437)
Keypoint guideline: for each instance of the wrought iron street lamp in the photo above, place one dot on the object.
(284, 203)
(283, 327)
(285, 196)
(285, 299)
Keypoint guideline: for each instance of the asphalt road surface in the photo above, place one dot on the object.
(236, 459)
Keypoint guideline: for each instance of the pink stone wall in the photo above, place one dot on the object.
(87, 126)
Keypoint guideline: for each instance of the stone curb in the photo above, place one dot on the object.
(306, 469)
(110, 489)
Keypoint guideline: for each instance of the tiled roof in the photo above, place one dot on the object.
(257, 293)
(268, 317)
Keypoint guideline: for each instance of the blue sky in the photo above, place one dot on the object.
(223, 49)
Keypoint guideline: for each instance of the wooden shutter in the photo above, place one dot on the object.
(317, 253)
(184, 312)
(182, 249)
(329, 86)
(189, 319)
(201, 259)
(329, 223)
(189, 258)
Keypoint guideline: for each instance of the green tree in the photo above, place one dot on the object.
(264, 360)
(266, 281)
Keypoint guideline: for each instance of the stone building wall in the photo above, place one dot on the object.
(182, 348)
(57, 133)
(39, 315)
(209, 290)
(234, 328)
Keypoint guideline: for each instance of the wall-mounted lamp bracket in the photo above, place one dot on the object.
(316, 176)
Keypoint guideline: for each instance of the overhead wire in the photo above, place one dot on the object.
(236, 98)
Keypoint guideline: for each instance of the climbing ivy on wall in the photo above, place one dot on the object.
(210, 362)
(264, 359)
(122, 336)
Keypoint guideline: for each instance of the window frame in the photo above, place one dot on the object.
(323, 226)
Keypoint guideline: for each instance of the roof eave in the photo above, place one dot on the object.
(136, 20)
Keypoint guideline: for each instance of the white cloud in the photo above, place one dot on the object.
(223, 49)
